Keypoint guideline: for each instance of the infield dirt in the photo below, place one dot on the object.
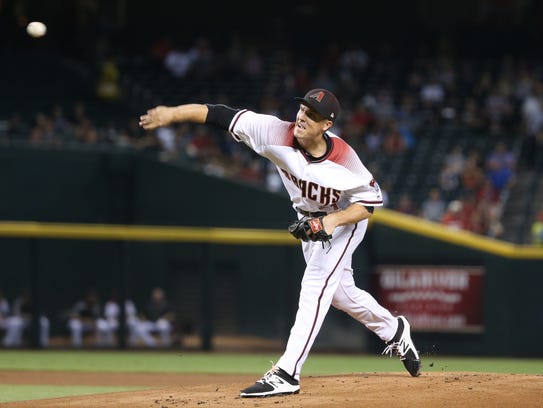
(376, 390)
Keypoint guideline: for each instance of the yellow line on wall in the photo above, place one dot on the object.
(382, 216)
(146, 233)
(419, 226)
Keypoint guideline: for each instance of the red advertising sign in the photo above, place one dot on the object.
(434, 298)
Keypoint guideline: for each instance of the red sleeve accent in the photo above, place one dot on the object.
(341, 152)
(290, 140)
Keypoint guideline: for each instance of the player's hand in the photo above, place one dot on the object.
(156, 117)
(328, 224)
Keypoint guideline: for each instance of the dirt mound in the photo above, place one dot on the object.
(376, 390)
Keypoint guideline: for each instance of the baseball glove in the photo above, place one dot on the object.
(309, 229)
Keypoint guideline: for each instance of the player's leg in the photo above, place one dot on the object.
(318, 286)
(394, 331)
(363, 307)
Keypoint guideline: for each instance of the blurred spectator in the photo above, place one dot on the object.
(17, 128)
(394, 142)
(202, 144)
(405, 205)
(487, 192)
(180, 62)
(253, 64)
(358, 122)
(385, 188)
(502, 179)
(491, 217)
(5, 312)
(204, 64)
(42, 132)
(86, 132)
(449, 182)
(78, 114)
(353, 61)
(532, 147)
(537, 229)
(433, 207)
(388, 102)
(157, 318)
(108, 324)
(500, 168)
(252, 172)
(473, 213)
(374, 139)
(160, 48)
(473, 175)
(108, 87)
(498, 106)
(384, 107)
(61, 126)
(532, 109)
(432, 92)
(501, 156)
(167, 138)
(83, 317)
(471, 115)
(407, 113)
(453, 217)
(273, 179)
(21, 320)
(455, 159)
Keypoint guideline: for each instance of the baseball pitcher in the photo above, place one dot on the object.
(333, 195)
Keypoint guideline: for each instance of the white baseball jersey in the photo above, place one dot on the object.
(325, 184)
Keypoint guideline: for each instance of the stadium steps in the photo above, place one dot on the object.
(516, 209)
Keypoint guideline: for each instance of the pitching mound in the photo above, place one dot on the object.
(376, 390)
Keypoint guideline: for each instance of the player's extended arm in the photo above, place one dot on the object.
(164, 115)
(350, 215)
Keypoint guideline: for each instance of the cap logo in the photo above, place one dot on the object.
(317, 96)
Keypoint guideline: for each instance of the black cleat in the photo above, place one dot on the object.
(403, 347)
(274, 382)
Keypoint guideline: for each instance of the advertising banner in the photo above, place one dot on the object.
(433, 298)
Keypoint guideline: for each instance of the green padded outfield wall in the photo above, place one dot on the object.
(512, 305)
(127, 188)
(244, 283)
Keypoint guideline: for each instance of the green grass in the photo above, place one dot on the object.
(218, 363)
(227, 363)
(11, 393)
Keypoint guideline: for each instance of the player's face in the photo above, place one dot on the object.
(309, 123)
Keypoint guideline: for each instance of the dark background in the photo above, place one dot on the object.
(85, 29)
(469, 27)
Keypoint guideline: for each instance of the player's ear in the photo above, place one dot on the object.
(327, 125)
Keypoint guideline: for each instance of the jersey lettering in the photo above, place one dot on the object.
(302, 184)
(326, 196)
(311, 190)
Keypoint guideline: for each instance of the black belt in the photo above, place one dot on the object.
(312, 214)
